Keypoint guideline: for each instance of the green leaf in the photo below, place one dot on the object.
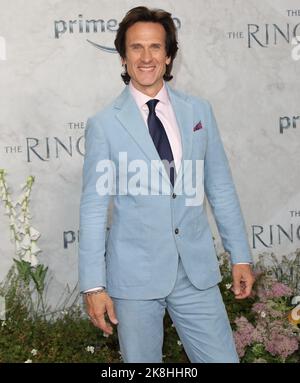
(23, 268)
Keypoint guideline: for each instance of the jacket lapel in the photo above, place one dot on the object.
(130, 117)
(184, 115)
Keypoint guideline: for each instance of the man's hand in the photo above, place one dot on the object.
(96, 306)
(243, 280)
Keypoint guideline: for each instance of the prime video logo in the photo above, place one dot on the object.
(85, 26)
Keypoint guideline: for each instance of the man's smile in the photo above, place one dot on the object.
(146, 68)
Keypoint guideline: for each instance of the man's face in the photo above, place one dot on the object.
(146, 57)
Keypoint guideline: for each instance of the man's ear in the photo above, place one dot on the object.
(168, 60)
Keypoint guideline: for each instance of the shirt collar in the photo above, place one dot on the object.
(142, 98)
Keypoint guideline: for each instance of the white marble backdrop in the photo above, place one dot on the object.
(238, 54)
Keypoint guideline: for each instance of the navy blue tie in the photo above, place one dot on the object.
(160, 138)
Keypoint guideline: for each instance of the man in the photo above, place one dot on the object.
(159, 252)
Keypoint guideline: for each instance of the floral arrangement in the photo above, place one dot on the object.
(272, 332)
(24, 236)
(266, 326)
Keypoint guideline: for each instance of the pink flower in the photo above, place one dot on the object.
(239, 343)
(281, 290)
(259, 307)
(244, 336)
(275, 290)
(281, 345)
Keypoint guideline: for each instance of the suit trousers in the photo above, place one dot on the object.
(199, 316)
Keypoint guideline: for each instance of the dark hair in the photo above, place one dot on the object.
(148, 15)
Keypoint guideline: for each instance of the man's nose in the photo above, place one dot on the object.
(146, 55)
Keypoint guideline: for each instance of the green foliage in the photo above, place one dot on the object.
(67, 335)
(23, 268)
(64, 337)
(285, 269)
(38, 275)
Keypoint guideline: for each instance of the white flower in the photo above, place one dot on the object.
(18, 235)
(90, 349)
(26, 242)
(21, 252)
(106, 335)
(34, 352)
(34, 248)
(19, 200)
(12, 220)
(179, 343)
(172, 325)
(31, 258)
(12, 234)
(34, 234)
(22, 230)
(24, 204)
(263, 314)
(28, 361)
(21, 218)
(3, 324)
(228, 285)
(18, 247)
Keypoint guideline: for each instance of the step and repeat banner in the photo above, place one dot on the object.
(58, 66)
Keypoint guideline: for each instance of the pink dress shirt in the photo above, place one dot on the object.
(165, 113)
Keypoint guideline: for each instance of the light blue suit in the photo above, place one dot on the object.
(151, 235)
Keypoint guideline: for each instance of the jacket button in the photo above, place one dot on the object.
(176, 230)
(174, 195)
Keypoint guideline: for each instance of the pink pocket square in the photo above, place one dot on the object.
(198, 126)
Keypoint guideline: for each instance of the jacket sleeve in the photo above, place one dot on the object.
(93, 211)
(222, 196)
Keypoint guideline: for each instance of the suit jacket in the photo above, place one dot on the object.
(138, 257)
